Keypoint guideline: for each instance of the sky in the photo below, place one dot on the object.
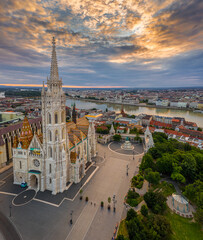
(103, 43)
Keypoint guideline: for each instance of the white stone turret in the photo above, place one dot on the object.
(112, 130)
(148, 140)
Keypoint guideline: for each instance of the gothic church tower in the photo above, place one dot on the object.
(54, 130)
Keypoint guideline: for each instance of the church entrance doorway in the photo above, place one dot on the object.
(34, 182)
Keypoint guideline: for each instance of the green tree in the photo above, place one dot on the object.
(120, 237)
(133, 131)
(187, 147)
(159, 137)
(154, 153)
(153, 177)
(188, 167)
(147, 162)
(165, 164)
(144, 210)
(155, 201)
(109, 201)
(117, 137)
(199, 164)
(131, 214)
(136, 229)
(176, 175)
(195, 192)
(162, 227)
(199, 215)
(132, 198)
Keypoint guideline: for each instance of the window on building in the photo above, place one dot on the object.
(56, 117)
(56, 135)
(63, 133)
(62, 116)
(78, 153)
(50, 181)
(20, 165)
(49, 118)
(85, 148)
(50, 152)
(50, 136)
(49, 168)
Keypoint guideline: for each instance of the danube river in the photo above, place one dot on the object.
(188, 115)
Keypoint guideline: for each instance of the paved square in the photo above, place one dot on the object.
(48, 217)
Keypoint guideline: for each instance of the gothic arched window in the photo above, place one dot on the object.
(85, 147)
(56, 117)
(50, 136)
(78, 152)
(56, 135)
(50, 152)
(62, 116)
(48, 118)
(63, 133)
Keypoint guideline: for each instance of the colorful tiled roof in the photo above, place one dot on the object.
(70, 144)
(26, 134)
(73, 157)
(15, 142)
(16, 126)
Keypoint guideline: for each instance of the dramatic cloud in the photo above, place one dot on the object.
(135, 43)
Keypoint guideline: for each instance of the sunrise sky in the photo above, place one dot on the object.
(121, 43)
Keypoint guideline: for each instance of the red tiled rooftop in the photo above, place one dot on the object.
(175, 120)
(160, 124)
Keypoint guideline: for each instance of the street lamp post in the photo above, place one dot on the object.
(71, 217)
(81, 183)
(133, 155)
(10, 207)
(127, 170)
(114, 203)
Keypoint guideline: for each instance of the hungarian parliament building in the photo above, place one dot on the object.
(61, 152)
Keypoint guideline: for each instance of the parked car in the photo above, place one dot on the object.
(23, 184)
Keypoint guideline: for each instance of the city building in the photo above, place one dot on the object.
(61, 153)
(163, 103)
(2, 94)
(146, 120)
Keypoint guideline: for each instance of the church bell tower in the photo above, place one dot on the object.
(54, 129)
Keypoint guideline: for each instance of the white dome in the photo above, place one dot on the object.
(180, 199)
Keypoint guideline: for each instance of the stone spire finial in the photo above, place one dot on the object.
(74, 114)
(54, 76)
(43, 88)
(112, 130)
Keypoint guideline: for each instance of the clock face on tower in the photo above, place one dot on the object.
(36, 163)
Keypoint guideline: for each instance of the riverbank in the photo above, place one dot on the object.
(130, 109)
(130, 104)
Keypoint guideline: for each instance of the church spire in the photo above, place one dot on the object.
(54, 76)
(43, 89)
(74, 114)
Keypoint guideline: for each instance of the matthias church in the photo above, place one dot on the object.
(62, 151)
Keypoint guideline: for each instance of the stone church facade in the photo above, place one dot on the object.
(60, 154)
